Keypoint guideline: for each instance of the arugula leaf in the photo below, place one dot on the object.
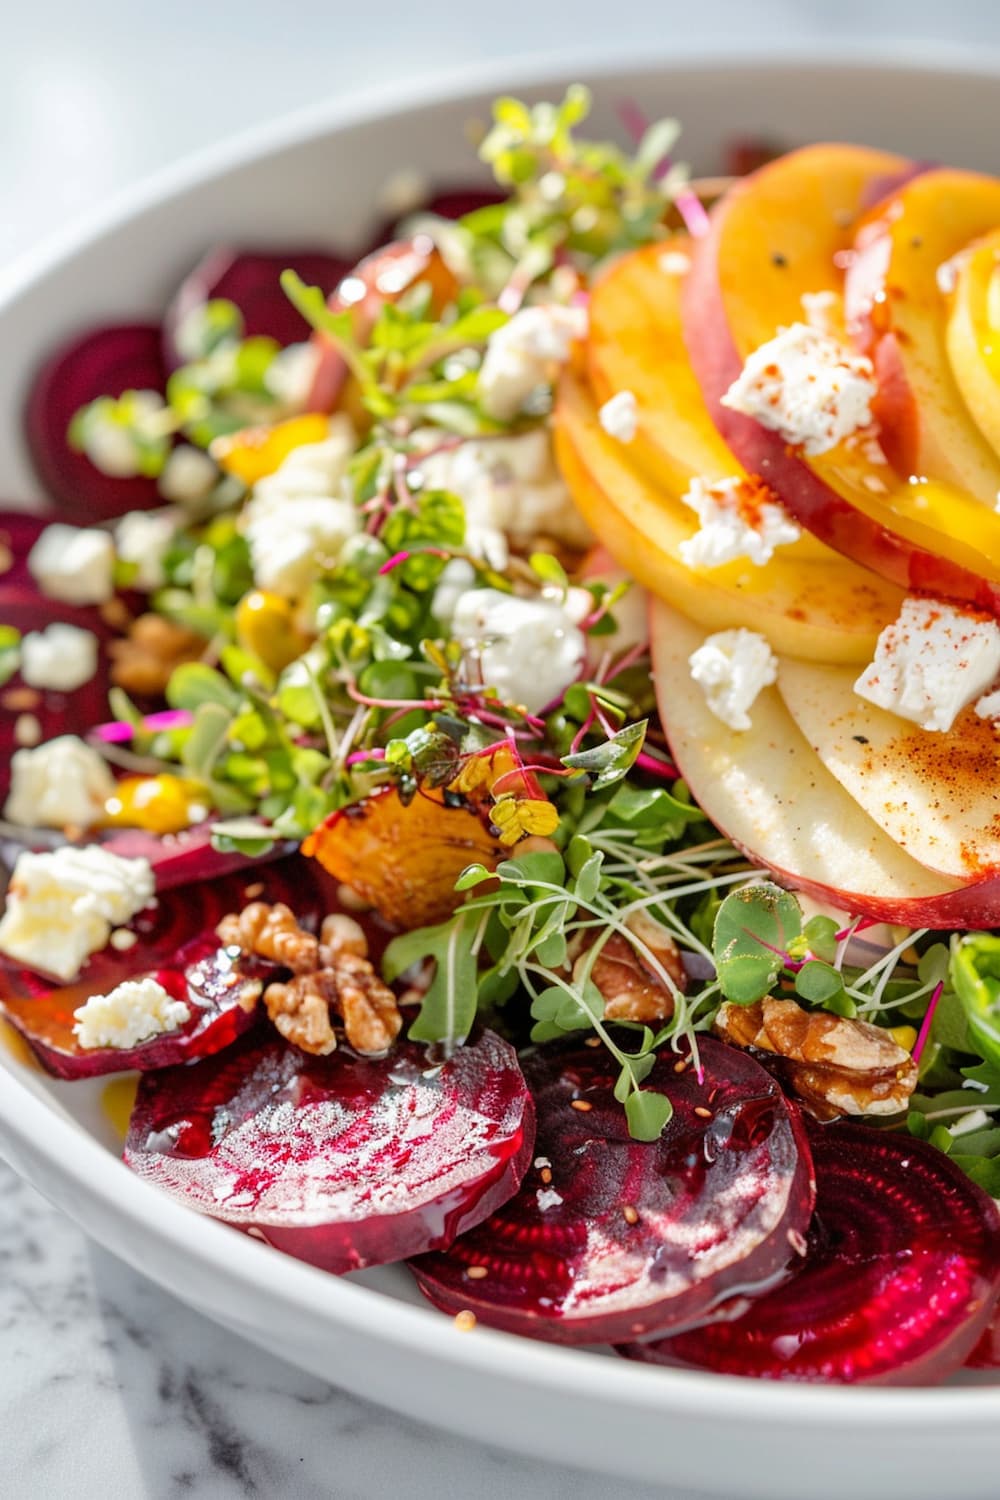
(750, 944)
(448, 1010)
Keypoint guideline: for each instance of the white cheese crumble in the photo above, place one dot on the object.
(62, 905)
(63, 783)
(988, 706)
(511, 489)
(736, 521)
(60, 657)
(298, 520)
(820, 310)
(188, 475)
(931, 663)
(74, 564)
(143, 538)
(131, 1013)
(807, 387)
(525, 354)
(547, 1198)
(619, 416)
(457, 578)
(731, 667)
(527, 650)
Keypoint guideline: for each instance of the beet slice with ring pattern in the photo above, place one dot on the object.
(341, 1161)
(612, 1237)
(901, 1275)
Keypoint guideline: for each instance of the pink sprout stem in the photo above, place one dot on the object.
(928, 1021)
(432, 705)
(692, 211)
(376, 753)
(664, 769)
(119, 731)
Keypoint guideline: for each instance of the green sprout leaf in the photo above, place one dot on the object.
(609, 762)
(752, 931)
(647, 1114)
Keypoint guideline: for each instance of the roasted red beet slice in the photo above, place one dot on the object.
(104, 362)
(184, 858)
(341, 1161)
(626, 1237)
(179, 916)
(986, 1354)
(213, 984)
(901, 1275)
(251, 279)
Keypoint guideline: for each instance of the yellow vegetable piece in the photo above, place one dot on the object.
(161, 804)
(265, 626)
(904, 1036)
(117, 1099)
(254, 452)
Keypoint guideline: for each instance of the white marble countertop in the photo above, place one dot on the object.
(106, 1384)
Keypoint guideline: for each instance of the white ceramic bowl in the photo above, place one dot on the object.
(315, 178)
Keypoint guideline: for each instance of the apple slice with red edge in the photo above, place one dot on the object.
(612, 1237)
(771, 238)
(341, 1161)
(769, 792)
(972, 330)
(896, 311)
(936, 795)
(900, 1276)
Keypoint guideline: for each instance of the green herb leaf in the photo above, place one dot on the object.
(819, 983)
(448, 1009)
(975, 977)
(648, 1114)
(609, 762)
(752, 931)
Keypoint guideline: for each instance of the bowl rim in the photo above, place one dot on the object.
(78, 1158)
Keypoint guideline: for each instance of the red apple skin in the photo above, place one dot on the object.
(717, 363)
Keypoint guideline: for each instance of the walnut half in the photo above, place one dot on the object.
(632, 988)
(837, 1066)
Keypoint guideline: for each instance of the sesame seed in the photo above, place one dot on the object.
(583, 1105)
(702, 1112)
(255, 890)
(465, 1320)
(630, 1214)
(546, 1174)
(592, 1041)
(477, 1273)
(680, 1065)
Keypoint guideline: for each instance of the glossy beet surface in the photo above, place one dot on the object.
(627, 1237)
(163, 929)
(105, 362)
(219, 988)
(341, 1161)
(901, 1274)
(251, 279)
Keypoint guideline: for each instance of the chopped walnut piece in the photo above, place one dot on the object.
(142, 662)
(272, 932)
(341, 934)
(300, 1010)
(837, 1066)
(631, 987)
(371, 1015)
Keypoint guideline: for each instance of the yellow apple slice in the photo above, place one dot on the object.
(895, 305)
(769, 792)
(779, 234)
(973, 332)
(936, 795)
(829, 610)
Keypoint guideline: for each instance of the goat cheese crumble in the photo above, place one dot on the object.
(297, 522)
(511, 490)
(63, 783)
(807, 387)
(60, 657)
(731, 667)
(132, 1012)
(619, 416)
(932, 662)
(736, 521)
(188, 475)
(62, 905)
(525, 354)
(74, 564)
(527, 650)
(143, 538)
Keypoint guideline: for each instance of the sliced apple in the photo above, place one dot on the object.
(825, 611)
(770, 793)
(773, 237)
(973, 333)
(936, 795)
(896, 310)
